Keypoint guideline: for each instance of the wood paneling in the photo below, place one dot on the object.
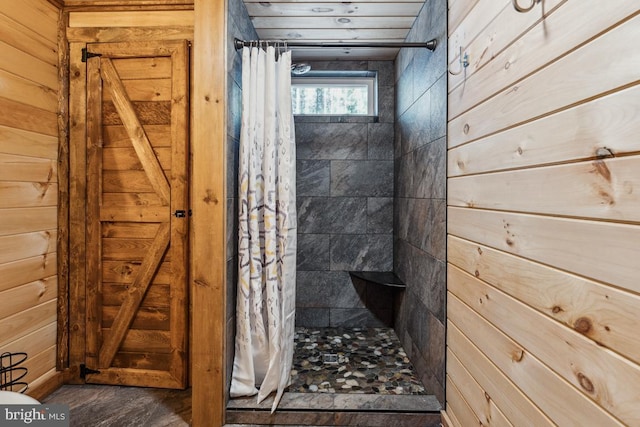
(106, 4)
(29, 184)
(23, 90)
(27, 270)
(582, 75)
(321, 9)
(131, 19)
(26, 220)
(114, 34)
(489, 77)
(610, 314)
(17, 299)
(478, 401)
(25, 143)
(24, 38)
(572, 245)
(543, 216)
(580, 133)
(21, 116)
(585, 189)
(362, 21)
(27, 169)
(27, 321)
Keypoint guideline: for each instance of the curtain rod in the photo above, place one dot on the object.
(431, 44)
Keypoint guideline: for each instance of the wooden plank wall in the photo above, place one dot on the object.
(544, 214)
(29, 185)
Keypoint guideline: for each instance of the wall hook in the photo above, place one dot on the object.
(524, 9)
(463, 60)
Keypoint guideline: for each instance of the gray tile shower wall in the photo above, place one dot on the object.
(345, 180)
(420, 196)
(238, 25)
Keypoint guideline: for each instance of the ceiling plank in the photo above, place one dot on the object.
(333, 22)
(347, 34)
(352, 1)
(328, 54)
(346, 9)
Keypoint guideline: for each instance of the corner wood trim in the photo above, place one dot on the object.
(47, 387)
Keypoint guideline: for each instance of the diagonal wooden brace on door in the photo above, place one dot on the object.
(134, 297)
(136, 132)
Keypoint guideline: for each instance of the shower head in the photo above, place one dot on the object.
(298, 69)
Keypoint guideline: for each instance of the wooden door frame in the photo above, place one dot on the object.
(208, 227)
(208, 202)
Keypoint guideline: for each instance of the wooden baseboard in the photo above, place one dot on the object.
(41, 389)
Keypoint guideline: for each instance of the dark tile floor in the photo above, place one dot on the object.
(99, 405)
(351, 360)
(372, 373)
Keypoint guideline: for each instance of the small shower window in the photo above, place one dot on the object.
(342, 93)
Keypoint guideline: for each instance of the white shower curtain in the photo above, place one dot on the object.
(265, 307)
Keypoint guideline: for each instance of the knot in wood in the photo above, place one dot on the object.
(585, 383)
(517, 355)
(582, 325)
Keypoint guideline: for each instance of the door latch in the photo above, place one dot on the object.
(181, 213)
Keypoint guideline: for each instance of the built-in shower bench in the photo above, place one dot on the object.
(380, 292)
(384, 278)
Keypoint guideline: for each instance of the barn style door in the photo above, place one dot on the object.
(137, 214)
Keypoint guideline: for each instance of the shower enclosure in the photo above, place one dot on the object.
(371, 196)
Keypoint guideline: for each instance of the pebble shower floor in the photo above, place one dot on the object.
(351, 360)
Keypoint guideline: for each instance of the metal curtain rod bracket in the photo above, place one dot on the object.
(431, 44)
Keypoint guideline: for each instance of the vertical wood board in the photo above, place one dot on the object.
(208, 262)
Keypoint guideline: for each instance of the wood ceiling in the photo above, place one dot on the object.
(316, 21)
(308, 21)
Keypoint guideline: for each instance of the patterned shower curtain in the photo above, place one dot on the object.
(265, 307)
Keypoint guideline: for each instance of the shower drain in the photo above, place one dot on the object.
(330, 358)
